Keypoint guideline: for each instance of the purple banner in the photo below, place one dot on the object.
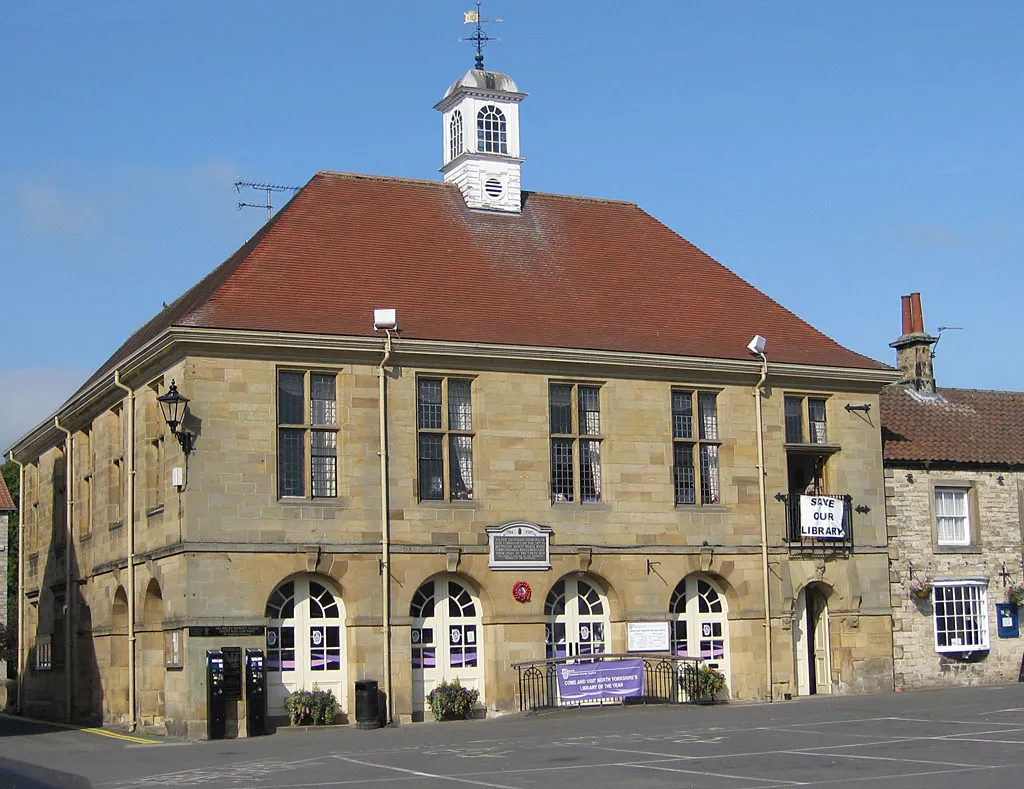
(614, 678)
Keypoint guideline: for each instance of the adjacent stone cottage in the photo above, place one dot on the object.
(954, 487)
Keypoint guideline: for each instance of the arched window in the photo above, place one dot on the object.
(446, 632)
(491, 134)
(455, 135)
(305, 639)
(577, 619)
(700, 622)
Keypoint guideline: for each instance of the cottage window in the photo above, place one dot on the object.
(961, 616)
(307, 435)
(952, 516)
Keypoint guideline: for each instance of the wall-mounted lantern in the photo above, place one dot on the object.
(173, 405)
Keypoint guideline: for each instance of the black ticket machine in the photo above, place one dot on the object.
(255, 692)
(216, 712)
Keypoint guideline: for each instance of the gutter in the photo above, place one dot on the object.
(763, 502)
(385, 527)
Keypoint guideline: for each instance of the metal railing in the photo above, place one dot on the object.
(799, 543)
(668, 679)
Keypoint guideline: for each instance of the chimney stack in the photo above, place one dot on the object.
(914, 348)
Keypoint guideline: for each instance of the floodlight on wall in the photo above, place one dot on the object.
(385, 320)
(173, 405)
(756, 346)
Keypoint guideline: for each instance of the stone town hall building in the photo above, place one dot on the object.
(566, 365)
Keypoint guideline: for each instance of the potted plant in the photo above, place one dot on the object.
(1015, 593)
(316, 707)
(702, 683)
(452, 701)
(922, 590)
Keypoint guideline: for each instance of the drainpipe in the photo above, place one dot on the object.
(385, 524)
(22, 647)
(758, 394)
(69, 512)
(130, 530)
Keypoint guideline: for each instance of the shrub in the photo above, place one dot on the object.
(701, 682)
(450, 701)
(316, 707)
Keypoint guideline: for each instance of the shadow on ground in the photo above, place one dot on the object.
(19, 775)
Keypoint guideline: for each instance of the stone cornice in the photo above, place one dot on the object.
(181, 341)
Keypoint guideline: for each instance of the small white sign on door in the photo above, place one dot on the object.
(647, 637)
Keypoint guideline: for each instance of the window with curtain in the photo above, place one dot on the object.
(444, 409)
(809, 412)
(695, 445)
(575, 414)
(952, 516)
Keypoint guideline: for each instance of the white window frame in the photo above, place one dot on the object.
(962, 496)
(972, 597)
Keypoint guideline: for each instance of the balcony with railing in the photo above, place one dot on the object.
(819, 523)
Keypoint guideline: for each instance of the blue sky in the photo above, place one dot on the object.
(835, 155)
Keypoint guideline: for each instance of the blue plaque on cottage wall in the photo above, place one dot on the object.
(1007, 620)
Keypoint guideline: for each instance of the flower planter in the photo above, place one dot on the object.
(922, 594)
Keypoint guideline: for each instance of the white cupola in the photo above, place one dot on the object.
(480, 114)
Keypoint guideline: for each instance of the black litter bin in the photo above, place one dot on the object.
(367, 704)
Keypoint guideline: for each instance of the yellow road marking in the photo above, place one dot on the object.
(87, 729)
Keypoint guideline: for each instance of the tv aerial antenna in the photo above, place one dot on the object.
(939, 333)
(479, 37)
(268, 188)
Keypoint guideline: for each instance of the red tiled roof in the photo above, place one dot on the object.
(961, 426)
(6, 502)
(566, 272)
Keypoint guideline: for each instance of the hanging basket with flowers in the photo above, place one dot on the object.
(922, 590)
(1015, 593)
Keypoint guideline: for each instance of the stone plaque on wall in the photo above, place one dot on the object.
(519, 545)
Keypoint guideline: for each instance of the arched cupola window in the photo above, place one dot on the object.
(491, 131)
(455, 135)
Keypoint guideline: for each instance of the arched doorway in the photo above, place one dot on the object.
(577, 619)
(700, 622)
(811, 642)
(305, 640)
(446, 631)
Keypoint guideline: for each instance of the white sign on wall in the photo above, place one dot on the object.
(821, 517)
(647, 637)
(519, 545)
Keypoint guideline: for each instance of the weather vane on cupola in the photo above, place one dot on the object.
(479, 37)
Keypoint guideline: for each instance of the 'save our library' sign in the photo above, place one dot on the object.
(821, 517)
